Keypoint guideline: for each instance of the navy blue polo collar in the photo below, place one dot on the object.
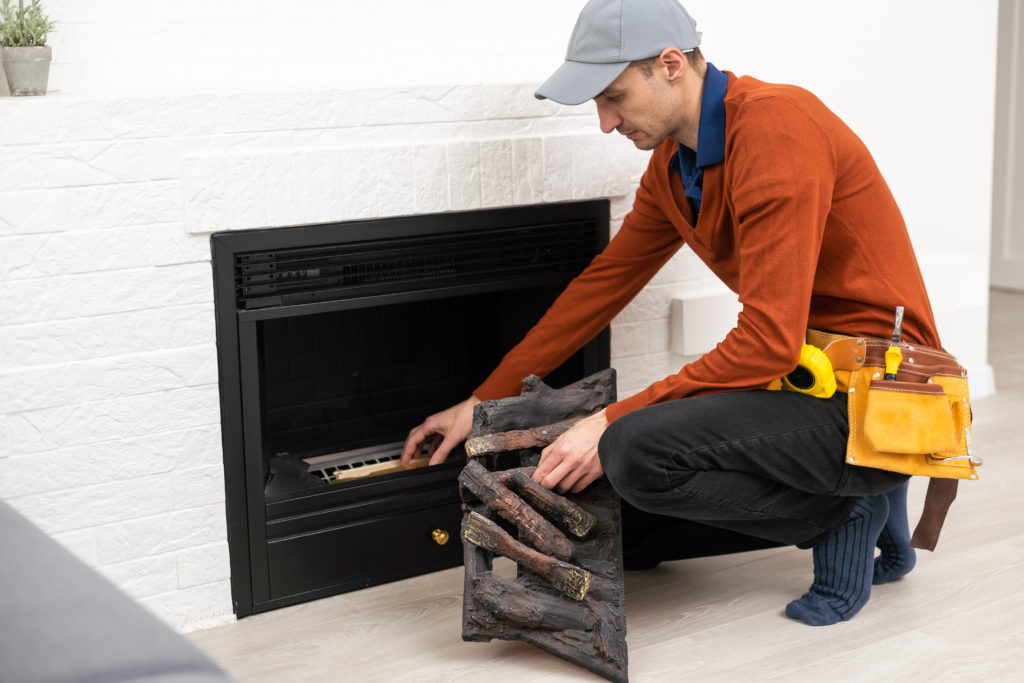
(710, 138)
(711, 134)
(711, 129)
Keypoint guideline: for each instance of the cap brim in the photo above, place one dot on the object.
(577, 82)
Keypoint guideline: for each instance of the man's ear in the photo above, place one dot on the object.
(674, 62)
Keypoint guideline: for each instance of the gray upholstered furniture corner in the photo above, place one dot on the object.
(61, 622)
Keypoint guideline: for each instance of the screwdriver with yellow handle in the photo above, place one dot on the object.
(893, 355)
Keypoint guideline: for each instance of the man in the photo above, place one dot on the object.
(784, 204)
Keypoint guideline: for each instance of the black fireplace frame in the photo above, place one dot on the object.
(244, 485)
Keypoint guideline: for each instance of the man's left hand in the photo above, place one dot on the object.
(570, 463)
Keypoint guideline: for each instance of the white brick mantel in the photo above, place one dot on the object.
(109, 419)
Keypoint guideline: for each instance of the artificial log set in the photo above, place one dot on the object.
(568, 597)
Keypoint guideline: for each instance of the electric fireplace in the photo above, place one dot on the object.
(333, 341)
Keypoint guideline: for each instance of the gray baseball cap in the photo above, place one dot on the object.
(610, 34)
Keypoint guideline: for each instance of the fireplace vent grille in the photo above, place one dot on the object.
(352, 269)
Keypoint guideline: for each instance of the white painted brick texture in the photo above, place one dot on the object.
(109, 411)
(69, 209)
(105, 336)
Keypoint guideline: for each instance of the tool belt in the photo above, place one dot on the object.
(918, 423)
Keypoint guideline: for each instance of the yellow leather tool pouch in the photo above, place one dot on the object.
(904, 417)
(919, 424)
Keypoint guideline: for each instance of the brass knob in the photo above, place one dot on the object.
(440, 536)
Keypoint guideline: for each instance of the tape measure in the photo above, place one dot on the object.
(813, 375)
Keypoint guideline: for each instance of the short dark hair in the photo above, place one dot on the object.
(693, 57)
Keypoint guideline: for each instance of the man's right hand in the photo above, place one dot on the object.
(446, 430)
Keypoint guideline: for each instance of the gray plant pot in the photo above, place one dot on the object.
(27, 68)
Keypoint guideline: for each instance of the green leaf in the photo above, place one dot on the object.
(24, 26)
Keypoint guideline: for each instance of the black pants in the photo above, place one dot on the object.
(764, 464)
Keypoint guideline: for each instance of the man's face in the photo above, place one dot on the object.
(639, 107)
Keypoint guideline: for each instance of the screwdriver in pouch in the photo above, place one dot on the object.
(893, 355)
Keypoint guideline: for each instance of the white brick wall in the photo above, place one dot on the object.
(109, 417)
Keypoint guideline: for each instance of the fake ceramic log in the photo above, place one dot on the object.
(566, 513)
(571, 605)
(538, 404)
(517, 439)
(533, 528)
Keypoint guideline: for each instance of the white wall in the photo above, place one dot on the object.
(916, 80)
(1008, 193)
(217, 45)
(109, 432)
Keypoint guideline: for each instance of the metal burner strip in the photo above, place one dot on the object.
(359, 462)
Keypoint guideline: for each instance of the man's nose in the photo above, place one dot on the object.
(608, 119)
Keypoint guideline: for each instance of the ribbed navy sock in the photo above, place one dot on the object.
(897, 558)
(843, 567)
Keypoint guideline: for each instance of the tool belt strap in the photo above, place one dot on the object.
(853, 353)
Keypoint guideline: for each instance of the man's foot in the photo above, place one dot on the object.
(843, 567)
(897, 558)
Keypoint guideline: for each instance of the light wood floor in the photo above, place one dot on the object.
(958, 617)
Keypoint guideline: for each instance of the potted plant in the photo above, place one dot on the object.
(23, 49)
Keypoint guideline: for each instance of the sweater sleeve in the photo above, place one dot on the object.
(780, 173)
(641, 247)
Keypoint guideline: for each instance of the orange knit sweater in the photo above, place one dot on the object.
(797, 221)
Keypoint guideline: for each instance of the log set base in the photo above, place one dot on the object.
(569, 596)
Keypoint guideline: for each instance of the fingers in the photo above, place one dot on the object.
(566, 477)
(560, 468)
(430, 435)
(412, 443)
(571, 462)
(550, 471)
(438, 446)
(584, 482)
(455, 425)
(432, 445)
(441, 453)
(570, 476)
(445, 430)
(548, 461)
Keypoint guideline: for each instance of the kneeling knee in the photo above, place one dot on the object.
(618, 450)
